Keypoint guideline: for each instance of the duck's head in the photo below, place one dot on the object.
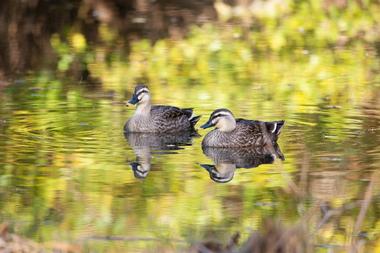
(141, 95)
(223, 119)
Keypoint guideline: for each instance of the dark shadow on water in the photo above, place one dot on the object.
(227, 160)
(146, 144)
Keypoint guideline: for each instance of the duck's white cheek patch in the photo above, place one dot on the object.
(140, 96)
(214, 121)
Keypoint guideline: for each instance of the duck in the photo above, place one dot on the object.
(150, 118)
(236, 133)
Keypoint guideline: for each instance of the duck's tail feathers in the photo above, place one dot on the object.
(275, 127)
(188, 112)
(192, 117)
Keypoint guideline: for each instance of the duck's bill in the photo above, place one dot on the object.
(134, 100)
(207, 125)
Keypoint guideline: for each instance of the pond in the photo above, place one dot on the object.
(67, 168)
(68, 172)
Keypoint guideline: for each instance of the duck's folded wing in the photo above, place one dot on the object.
(167, 112)
(248, 121)
(272, 127)
(249, 133)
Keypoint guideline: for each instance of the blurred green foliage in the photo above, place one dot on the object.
(277, 25)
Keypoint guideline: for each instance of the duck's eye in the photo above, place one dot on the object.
(141, 93)
(217, 116)
(215, 119)
(140, 96)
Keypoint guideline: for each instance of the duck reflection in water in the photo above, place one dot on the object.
(145, 145)
(227, 160)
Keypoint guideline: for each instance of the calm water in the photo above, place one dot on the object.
(68, 173)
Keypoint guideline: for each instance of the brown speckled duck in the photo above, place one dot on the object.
(150, 118)
(231, 132)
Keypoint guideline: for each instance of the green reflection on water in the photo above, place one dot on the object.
(65, 164)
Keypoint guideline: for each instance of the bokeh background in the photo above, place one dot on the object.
(66, 68)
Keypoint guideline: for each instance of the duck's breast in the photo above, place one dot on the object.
(137, 123)
(216, 138)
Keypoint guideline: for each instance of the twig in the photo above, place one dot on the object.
(363, 210)
(334, 212)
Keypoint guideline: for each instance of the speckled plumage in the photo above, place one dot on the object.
(242, 132)
(159, 118)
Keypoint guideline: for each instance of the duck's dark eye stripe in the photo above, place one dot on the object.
(141, 92)
(219, 115)
(215, 116)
